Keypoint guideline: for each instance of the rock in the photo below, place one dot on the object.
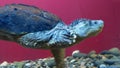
(73, 61)
(29, 64)
(50, 62)
(89, 65)
(102, 66)
(97, 62)
(82, 63)
(13, 66)
(99, 57)
(43, 64)
(113, 66)
(105, 52)
(39, 61)
(111, 61)
(109, 56)
(115, 51)
(77, 54)
(18, 64)
(82, 67)
(68, 58)
(92, 52)
(5, 63)
(93, 55)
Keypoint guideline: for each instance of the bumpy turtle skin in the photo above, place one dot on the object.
(20, 19)
(58, 37)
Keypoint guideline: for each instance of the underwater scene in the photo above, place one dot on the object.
(59, 34)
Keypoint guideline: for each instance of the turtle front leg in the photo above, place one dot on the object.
(59, 54)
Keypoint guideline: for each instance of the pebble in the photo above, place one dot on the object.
(50, 62)
(5, 63)
(115, 51)
(113, 66)
(77, 54)
(109, 62)
(102, 66)
(105, 52)
(92, 52)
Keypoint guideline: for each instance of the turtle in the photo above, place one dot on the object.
(36, 28)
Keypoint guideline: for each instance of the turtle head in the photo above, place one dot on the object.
(86, 28)
(79, 30)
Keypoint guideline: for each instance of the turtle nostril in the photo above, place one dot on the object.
(15, 9)
(90, 23)
(95, 22)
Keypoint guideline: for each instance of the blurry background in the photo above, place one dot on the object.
(69, 10)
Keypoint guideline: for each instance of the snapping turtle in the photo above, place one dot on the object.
(35, 28)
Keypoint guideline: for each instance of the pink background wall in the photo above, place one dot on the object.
(68, 10)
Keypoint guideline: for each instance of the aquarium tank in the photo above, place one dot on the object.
(59, 34)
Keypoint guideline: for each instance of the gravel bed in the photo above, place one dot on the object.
(105, 59)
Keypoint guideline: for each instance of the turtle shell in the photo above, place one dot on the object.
(17, 19)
